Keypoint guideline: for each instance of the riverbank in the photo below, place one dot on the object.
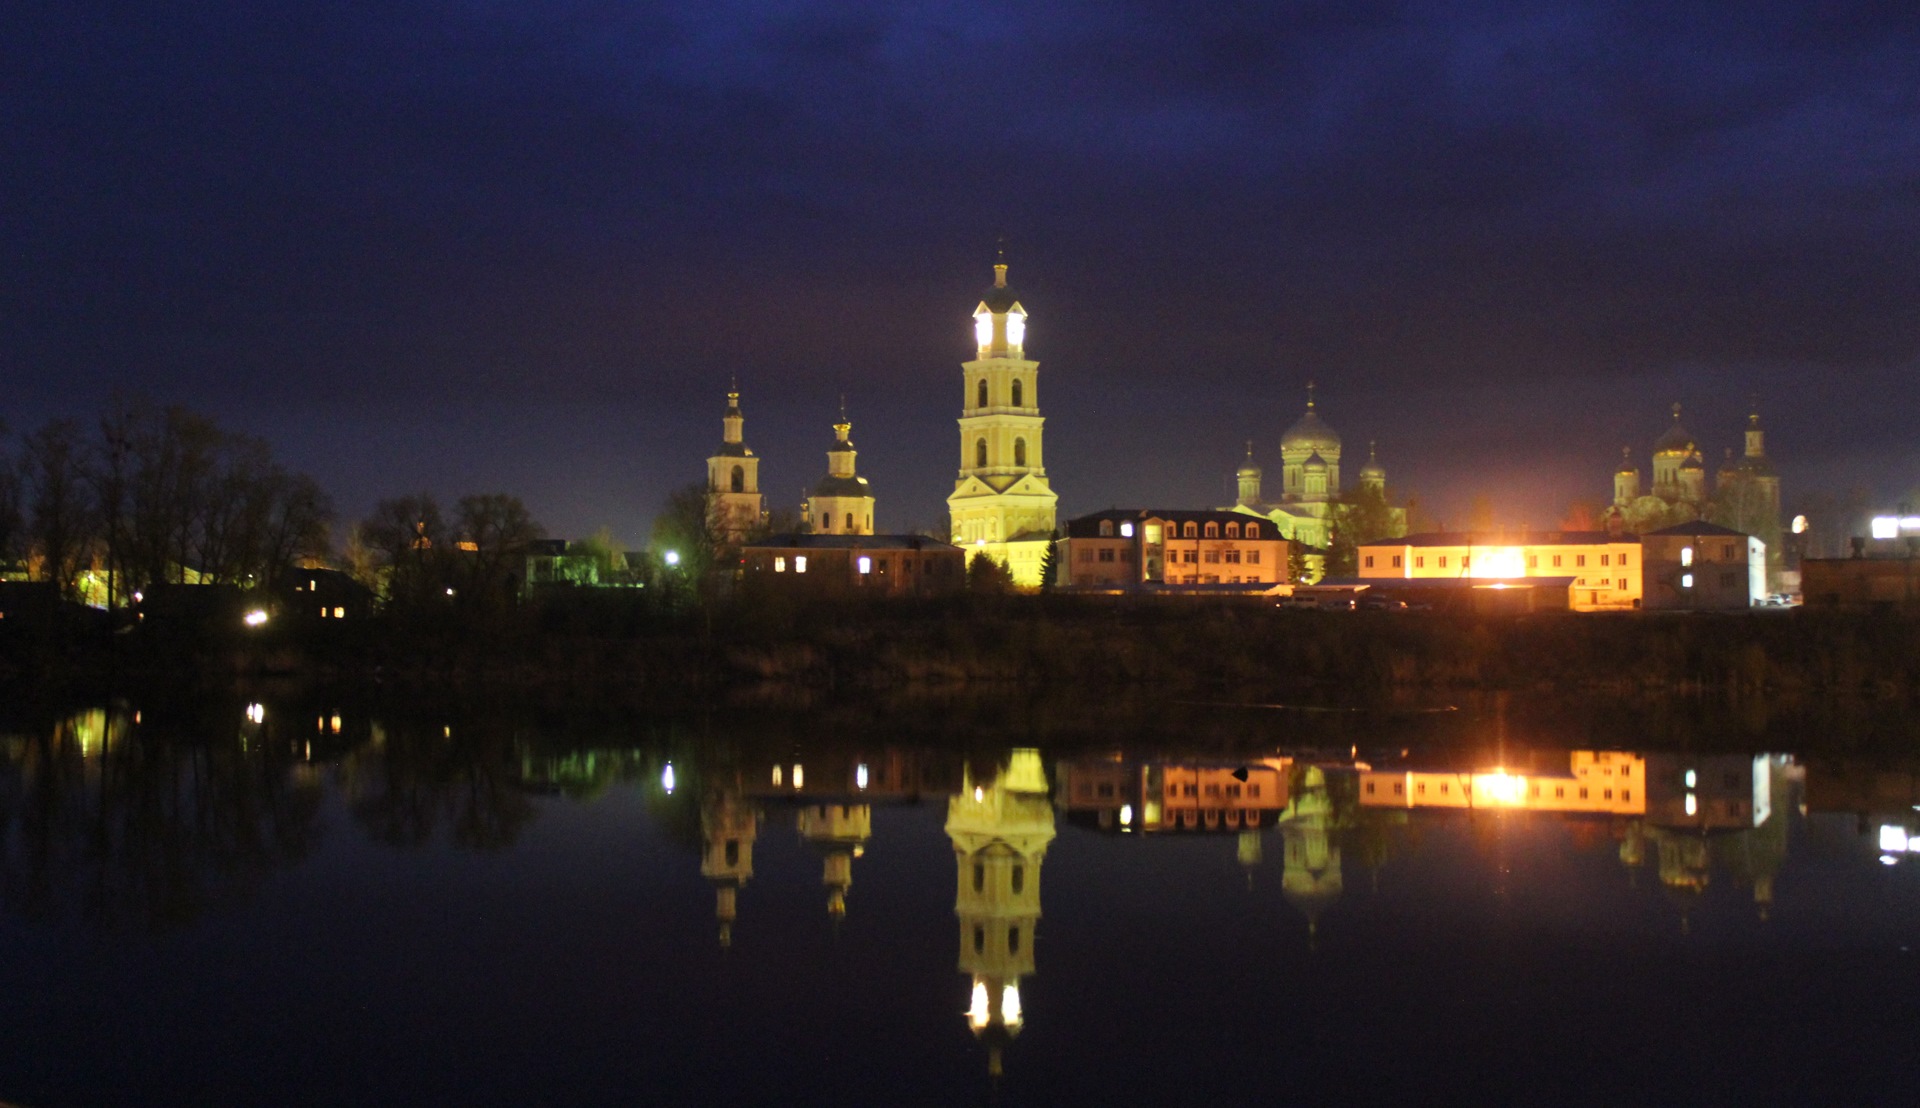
(1251, 652)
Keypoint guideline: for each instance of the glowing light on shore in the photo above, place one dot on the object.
(1500, 561)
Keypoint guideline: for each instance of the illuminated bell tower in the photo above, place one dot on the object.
(1000, 833)
(842, 503)
(1002, 505)
(733, 476)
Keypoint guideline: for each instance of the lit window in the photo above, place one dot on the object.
(1126, 530)
(339, 613)
(1106, 528)
(779, 563)
(866, 564)
(799, 563)
(1686, 580)
(1686, 555)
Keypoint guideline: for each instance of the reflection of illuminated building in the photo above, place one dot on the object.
(1167, 796)
(1000, 831)
(1311, 879)
(728, 824)
(1606, 782)
(840, 833)
(1884, 801)
(1712, 811)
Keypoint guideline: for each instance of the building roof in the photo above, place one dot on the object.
(1699, 527)
(842, 486)
(1088, 526)
(795, 541)
(1513, 538)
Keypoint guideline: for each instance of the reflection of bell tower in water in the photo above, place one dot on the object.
(840, 833)
(1000, 831)
(728, 824)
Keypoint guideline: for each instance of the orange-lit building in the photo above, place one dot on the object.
(1167, 796)
(1605, 567)
(1601, 782)
(1131, 548)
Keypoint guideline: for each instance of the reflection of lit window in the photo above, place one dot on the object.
(777, 775)
(799, 775)
(1893, 839)
(977, 1013)
(860, 776)
(1686, 580)
(799, 563)
(1686, 555)
(779, 563)
(1692, 804)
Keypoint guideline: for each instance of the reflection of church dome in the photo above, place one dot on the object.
(1693, 462)
(1627, 468)
(1311, 433)
(1677, 440)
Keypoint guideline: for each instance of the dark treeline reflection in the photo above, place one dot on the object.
(124, 817)
(120, 824)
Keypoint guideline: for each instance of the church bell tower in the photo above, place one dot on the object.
(1002, 505)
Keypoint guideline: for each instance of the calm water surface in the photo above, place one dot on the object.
(266, 903)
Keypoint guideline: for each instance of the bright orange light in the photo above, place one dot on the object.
(1508, 790)
(1500, 561)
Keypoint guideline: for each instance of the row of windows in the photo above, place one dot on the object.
(1192, 790)
(866, 565)
(824, 521)
(1105, 554)
(1189, 529)
(980, 394)
(1533, 561)
(1213, 557)
(1214, 579)
(1466, 789)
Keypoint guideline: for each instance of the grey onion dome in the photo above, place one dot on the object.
(1316, 464)
(1248, 468)
(1677, 440)
(1373, 470)
(1627, 468)
(1693, 462)
(1311, 433)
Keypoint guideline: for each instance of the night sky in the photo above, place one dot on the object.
(477, 246)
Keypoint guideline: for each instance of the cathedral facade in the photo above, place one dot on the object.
(1002, 506)
(1745, 494)
(1308, 506)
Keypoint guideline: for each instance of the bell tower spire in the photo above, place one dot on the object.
(733, 474)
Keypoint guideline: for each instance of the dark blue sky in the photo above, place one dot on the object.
(473, 246)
